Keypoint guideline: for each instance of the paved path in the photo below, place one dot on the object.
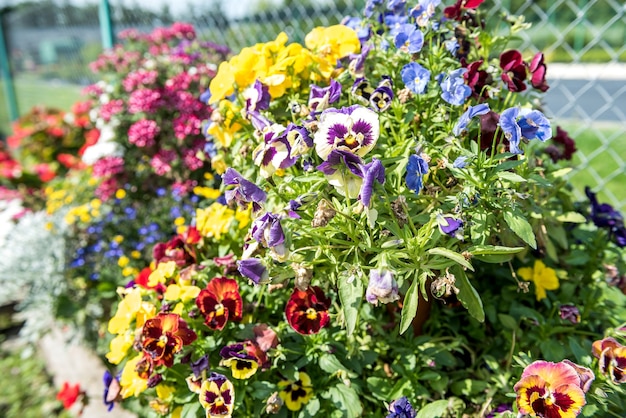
(73, 363)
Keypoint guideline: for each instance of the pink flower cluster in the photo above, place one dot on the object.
(143, 132)
(139, 78)
(111, 109)
(145, 100)
(108, 166)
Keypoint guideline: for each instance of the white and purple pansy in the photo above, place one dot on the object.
(354, 129)
(257, 97)
(244, 191)
(343, 170)
(273, 153)
(268, 232)
(321, 98)
(299, 140)
(381, 97)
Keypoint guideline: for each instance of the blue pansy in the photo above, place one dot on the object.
(510, 128)
(454, 89)
(410, 37)
(415, 171)
(535, 125)
(465, 118)
(415, 77)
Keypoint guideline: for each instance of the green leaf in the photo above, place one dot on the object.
(331, 365)
(409, 309)
(469, 296)
(350, 295)
(494, 249)
(509, 164)
(512, 177)
(507, 321)
(346, 400)
(572, 217)
(190, 410)
(562, 172)
(434, 409)
(521, 227)
(311, 409)
(452, 255)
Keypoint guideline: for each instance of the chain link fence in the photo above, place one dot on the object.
(51, 42)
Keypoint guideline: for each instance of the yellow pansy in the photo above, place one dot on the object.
(131, 383)
(243, 217)
(164, 391)
(218, 164)
(544, 277)
(222, 84)
(206, 192)
(129, 309)
(162, 272)
(214, 221)
(181, 292)
(296, 394)
(118, 347)
(177, 412)
(333, 42)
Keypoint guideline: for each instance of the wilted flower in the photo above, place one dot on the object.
(569, 313)
(244, 191)
(253, 269)
(382, 287)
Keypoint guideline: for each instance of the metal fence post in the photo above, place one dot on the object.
(106, 25)
(7, 77)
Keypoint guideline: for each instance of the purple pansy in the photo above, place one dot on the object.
(415, 171)
(373, 171)
(321, 97)
(415, 77)
(401, 408)
(604, 216)
(253, 269)
(409, 38)
(257, 97)
(355, 129)
(362, 29)
(569, 312)
(343, 170)
(244, 191)
(382, 96)
(466, 117)
(450, 226)
(111, 389)
(357, 61)
(455, 91)
(268, 231)
(382, 287)
(298, 139)
(274, 152)
(200, 365)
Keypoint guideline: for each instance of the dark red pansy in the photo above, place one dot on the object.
(163, 336)
(537, 69)
(454, 12)
(175, 250)
(307, 311)
(220, 302)
(513, 70)
(562, 147)
(477, 79)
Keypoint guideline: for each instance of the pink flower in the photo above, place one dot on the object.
(108, 166)
(107, 188)
(139, 78)
(186, 125)
(111, 108)
(161, 161)
(145, 100)
(143, 132)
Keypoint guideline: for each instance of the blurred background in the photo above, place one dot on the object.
(47, 46)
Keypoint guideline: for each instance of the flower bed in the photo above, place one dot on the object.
(374, 223)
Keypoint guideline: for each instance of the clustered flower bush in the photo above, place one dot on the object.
(377, 222)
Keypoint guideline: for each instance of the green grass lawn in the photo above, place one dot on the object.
(31, 91)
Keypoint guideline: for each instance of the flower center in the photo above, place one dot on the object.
(311, 314)
(219, 309)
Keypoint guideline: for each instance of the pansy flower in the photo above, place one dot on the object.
(217, 396)
(362, 90)
(165, 335)
(450, 226)
(549, 389)
(455, 11)
(268, 232)
(477, 79)
(343, 170)
(220, 302)
(604, 215)
(416, 169)
(354, 129)
(372, 172)
(257, 97)
(415, 77)
(175, 250)
(321, 97)
(307, 311)
(401, 408)
(382, 287)
(112, 389)
(562, 147)
(254, 269)
(297, 393)
(240, 358)
(243, 190)
(409, 38)
(454, 89)
(531, 125)
(424, 11)
(537, 69)
(513, 70)
(542, 276)
(134, 376)
(611, 357)
(381, 97)
(467, 116)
